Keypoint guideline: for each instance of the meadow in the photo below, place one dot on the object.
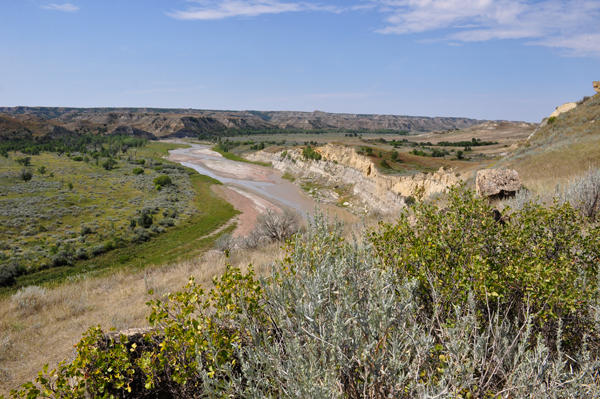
(76, 217)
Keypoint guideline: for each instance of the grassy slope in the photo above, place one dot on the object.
(179, 242)
(560, 150)
(233, 157)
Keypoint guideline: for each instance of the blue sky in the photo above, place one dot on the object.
(486, 59)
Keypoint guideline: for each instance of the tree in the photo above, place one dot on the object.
(394, 155)
(459, 154)
(26, 161)
(109, 164)
(70, 185)
(26, 175)
(42, 170)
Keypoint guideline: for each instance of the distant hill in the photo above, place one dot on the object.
(164, 123)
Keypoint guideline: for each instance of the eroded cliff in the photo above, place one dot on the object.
(343, 170)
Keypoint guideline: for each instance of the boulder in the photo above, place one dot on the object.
(597, 86)
(497, 183)
(566, 107)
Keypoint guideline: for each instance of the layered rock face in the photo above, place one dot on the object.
(342, 166)
(597, 86)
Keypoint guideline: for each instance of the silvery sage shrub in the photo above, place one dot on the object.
(335, 319)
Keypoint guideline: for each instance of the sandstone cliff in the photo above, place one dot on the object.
(342, 166)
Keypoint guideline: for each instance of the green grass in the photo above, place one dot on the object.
(233, 157)
(201, 212)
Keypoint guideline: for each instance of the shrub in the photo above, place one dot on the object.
(394, 155)
(9, 274)
(41, 170)
(62, 258)
(77, 158)
(141, 235)
(81, 254)
(584, 194)
(158, 168)
(29, 299)
(26, 175)
(26, 161)
(109, 164)
(384, 164)
(145, 220)
(137, 171)
(331, 321)
(552, 119)
(167, 222)
(98, 250)
(86, 230)
(278, 226)
(310, 154)
(543, 262)
(162, 180)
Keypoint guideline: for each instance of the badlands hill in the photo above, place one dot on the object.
(179, 123)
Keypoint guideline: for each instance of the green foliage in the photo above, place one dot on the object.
(77, 158)
(162, 180)
(394, 155)
(335, 320)
(552, 119)
(70, 185)
(109, 164)
(310, 154)
(544, 257)
(384, 164)
(138, 171)
(25, 161)
(459, 154)
(145, 220)
(26, 175)
(42, 170)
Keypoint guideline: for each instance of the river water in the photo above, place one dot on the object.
(259, 180)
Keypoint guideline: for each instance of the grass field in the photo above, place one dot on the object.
(55, 233)
(234, 157)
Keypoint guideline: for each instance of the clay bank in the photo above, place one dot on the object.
(371, 189)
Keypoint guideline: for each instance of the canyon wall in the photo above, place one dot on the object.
(342, 166)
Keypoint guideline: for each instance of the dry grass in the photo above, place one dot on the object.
(561, 150)
(44, 328)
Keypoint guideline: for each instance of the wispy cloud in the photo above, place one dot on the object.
(213, 10)
(571, 25)
(61, 7)
(344, 95)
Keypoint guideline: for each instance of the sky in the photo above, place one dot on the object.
(484, 59)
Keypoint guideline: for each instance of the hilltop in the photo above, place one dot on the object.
(180, 123)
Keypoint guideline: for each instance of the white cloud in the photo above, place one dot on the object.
(568, 24)
(62, 7)
(212, 10)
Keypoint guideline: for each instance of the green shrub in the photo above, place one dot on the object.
(384, 164)
(544, 257)
(137, 171)
(333, 321)
(26, 161)
(158, 168)
(109, 164)
(310, 154)
(552, 119)
(162, 180)
(26, 175)
(145, 220)
(77, 158)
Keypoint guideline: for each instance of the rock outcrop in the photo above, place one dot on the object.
(566, 107)
(342, 166)
(597, 86)
(497, 183)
